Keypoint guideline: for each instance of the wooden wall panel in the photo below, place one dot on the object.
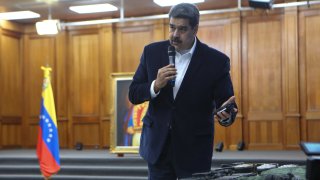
(39, 51)
(88, 134)
(63, 133)
(131, 39)
(224, 35)
(235, 131)
(265, 135)
(85, 77)
(84, 87)
(264, 67)
(263, 82)
(312, 68)
(61, 96)
(32, 131)
(61, 74)
(131, 42)
(11, 109)
(214, 33)
(309, 74)
(11, 83)
(274, 67)
(105, 75)
(291, 80)
(11, 132)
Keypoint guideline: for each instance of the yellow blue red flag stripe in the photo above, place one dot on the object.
(48, 141)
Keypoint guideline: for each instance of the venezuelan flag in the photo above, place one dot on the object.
(48, 142)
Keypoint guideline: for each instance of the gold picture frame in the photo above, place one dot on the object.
(126, 121)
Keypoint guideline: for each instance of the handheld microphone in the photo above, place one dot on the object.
(172, 56)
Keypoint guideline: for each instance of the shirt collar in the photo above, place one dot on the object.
(193, 46)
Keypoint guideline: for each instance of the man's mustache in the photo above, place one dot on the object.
(176, 40)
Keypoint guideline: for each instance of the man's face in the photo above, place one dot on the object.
(181, 34)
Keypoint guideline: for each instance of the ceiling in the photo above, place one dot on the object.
(132, 8)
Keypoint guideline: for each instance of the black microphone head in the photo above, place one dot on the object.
(171, 51)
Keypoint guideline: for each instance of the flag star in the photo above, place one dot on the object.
(50, 130)
(49, 124)
(50, 135)
(48, 140)
(47, 120)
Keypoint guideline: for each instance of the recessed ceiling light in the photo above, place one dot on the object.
(95, 8)
(19, 15)
(174, 2)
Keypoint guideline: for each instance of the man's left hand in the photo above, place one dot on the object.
(223, 114)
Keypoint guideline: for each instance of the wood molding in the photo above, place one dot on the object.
(11, 120)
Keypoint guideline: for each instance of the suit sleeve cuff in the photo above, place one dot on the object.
(153, 94)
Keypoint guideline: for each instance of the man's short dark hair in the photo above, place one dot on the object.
(186, 11)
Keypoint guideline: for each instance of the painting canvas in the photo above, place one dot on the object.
(126, 122)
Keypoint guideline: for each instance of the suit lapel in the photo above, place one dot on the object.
(193, 68)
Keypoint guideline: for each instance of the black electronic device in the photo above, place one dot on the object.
(229, 108)
(312, 168)
(219, 147)
(79, 146)
(240, 146)
(263, 4)
(310, 148)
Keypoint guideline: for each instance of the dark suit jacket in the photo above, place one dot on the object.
(206, 83)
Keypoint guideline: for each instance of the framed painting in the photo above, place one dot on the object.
(126, 120)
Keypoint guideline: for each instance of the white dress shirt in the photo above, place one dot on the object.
(182, 61)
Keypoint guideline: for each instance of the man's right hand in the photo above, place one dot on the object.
(165, 74)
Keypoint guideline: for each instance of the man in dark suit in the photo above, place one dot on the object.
(177, 135)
